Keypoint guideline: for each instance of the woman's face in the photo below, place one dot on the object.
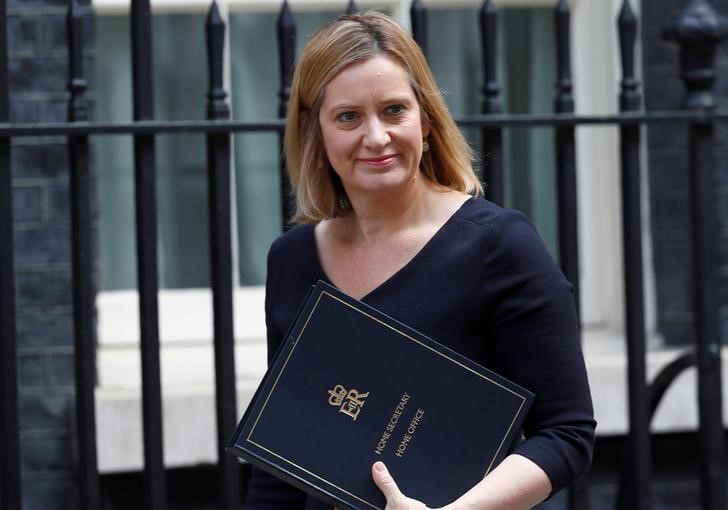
(372, 126)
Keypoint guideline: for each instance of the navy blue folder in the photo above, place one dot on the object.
(350, 386)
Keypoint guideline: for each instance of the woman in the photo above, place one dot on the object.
(389, 211)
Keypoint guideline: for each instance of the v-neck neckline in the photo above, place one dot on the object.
(405, 267)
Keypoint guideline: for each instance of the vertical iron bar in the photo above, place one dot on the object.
(418, 16)
(566, 154)
(566, 186)
(221, 264)
(492, 137)
(83, 296)
(10, 498)
(698, 31)
(634, 489)
(703, 225)
(286, 30)
(146, 234)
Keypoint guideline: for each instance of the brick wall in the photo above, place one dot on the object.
(668, 172)
(37, 78)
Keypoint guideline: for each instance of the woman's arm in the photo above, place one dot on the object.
(534, 341)
(515, 484)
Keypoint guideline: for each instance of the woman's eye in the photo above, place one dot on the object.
(395, 109)
(347, 116)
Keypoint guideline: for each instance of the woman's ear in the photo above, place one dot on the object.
(425, 121)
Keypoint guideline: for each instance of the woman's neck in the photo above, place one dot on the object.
(384, 214)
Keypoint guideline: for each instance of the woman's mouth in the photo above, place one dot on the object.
(379, 161)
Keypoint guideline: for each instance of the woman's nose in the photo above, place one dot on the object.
(376, 135)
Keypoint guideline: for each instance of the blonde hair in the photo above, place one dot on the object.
(343, 42)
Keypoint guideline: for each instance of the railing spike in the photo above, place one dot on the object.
(213, 14)
(488, 36)
(627, 24)
(698, 31)
(215, 32)
(626, 11)
(418, 16)
(564, 98)
(352, 8)
(286, 29)
(492, 138)
(488, 18)
(141, 53)
(77, 109)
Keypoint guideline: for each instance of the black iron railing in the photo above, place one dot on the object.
(221, 263)
(145, 193)
(697, 32)
(630, 100)
(637, 471)
(82, 262)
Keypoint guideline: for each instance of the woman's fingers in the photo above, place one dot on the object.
(395, 499)
(386, 484)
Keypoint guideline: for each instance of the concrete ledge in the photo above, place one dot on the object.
(678, 410)
(187, 374)
(189, 426)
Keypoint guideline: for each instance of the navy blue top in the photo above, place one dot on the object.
(485, 286)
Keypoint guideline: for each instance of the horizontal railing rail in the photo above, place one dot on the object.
(12, 130)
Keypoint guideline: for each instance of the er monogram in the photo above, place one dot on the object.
(349, 402)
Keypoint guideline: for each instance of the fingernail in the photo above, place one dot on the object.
(379, 466)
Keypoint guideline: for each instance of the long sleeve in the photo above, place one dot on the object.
(535, 336)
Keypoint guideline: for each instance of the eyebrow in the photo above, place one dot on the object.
(344, 106)
(389, 100)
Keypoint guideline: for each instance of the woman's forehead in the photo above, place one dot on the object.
(378, 75)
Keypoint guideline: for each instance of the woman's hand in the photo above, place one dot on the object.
(517, 483)
(395, 499)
